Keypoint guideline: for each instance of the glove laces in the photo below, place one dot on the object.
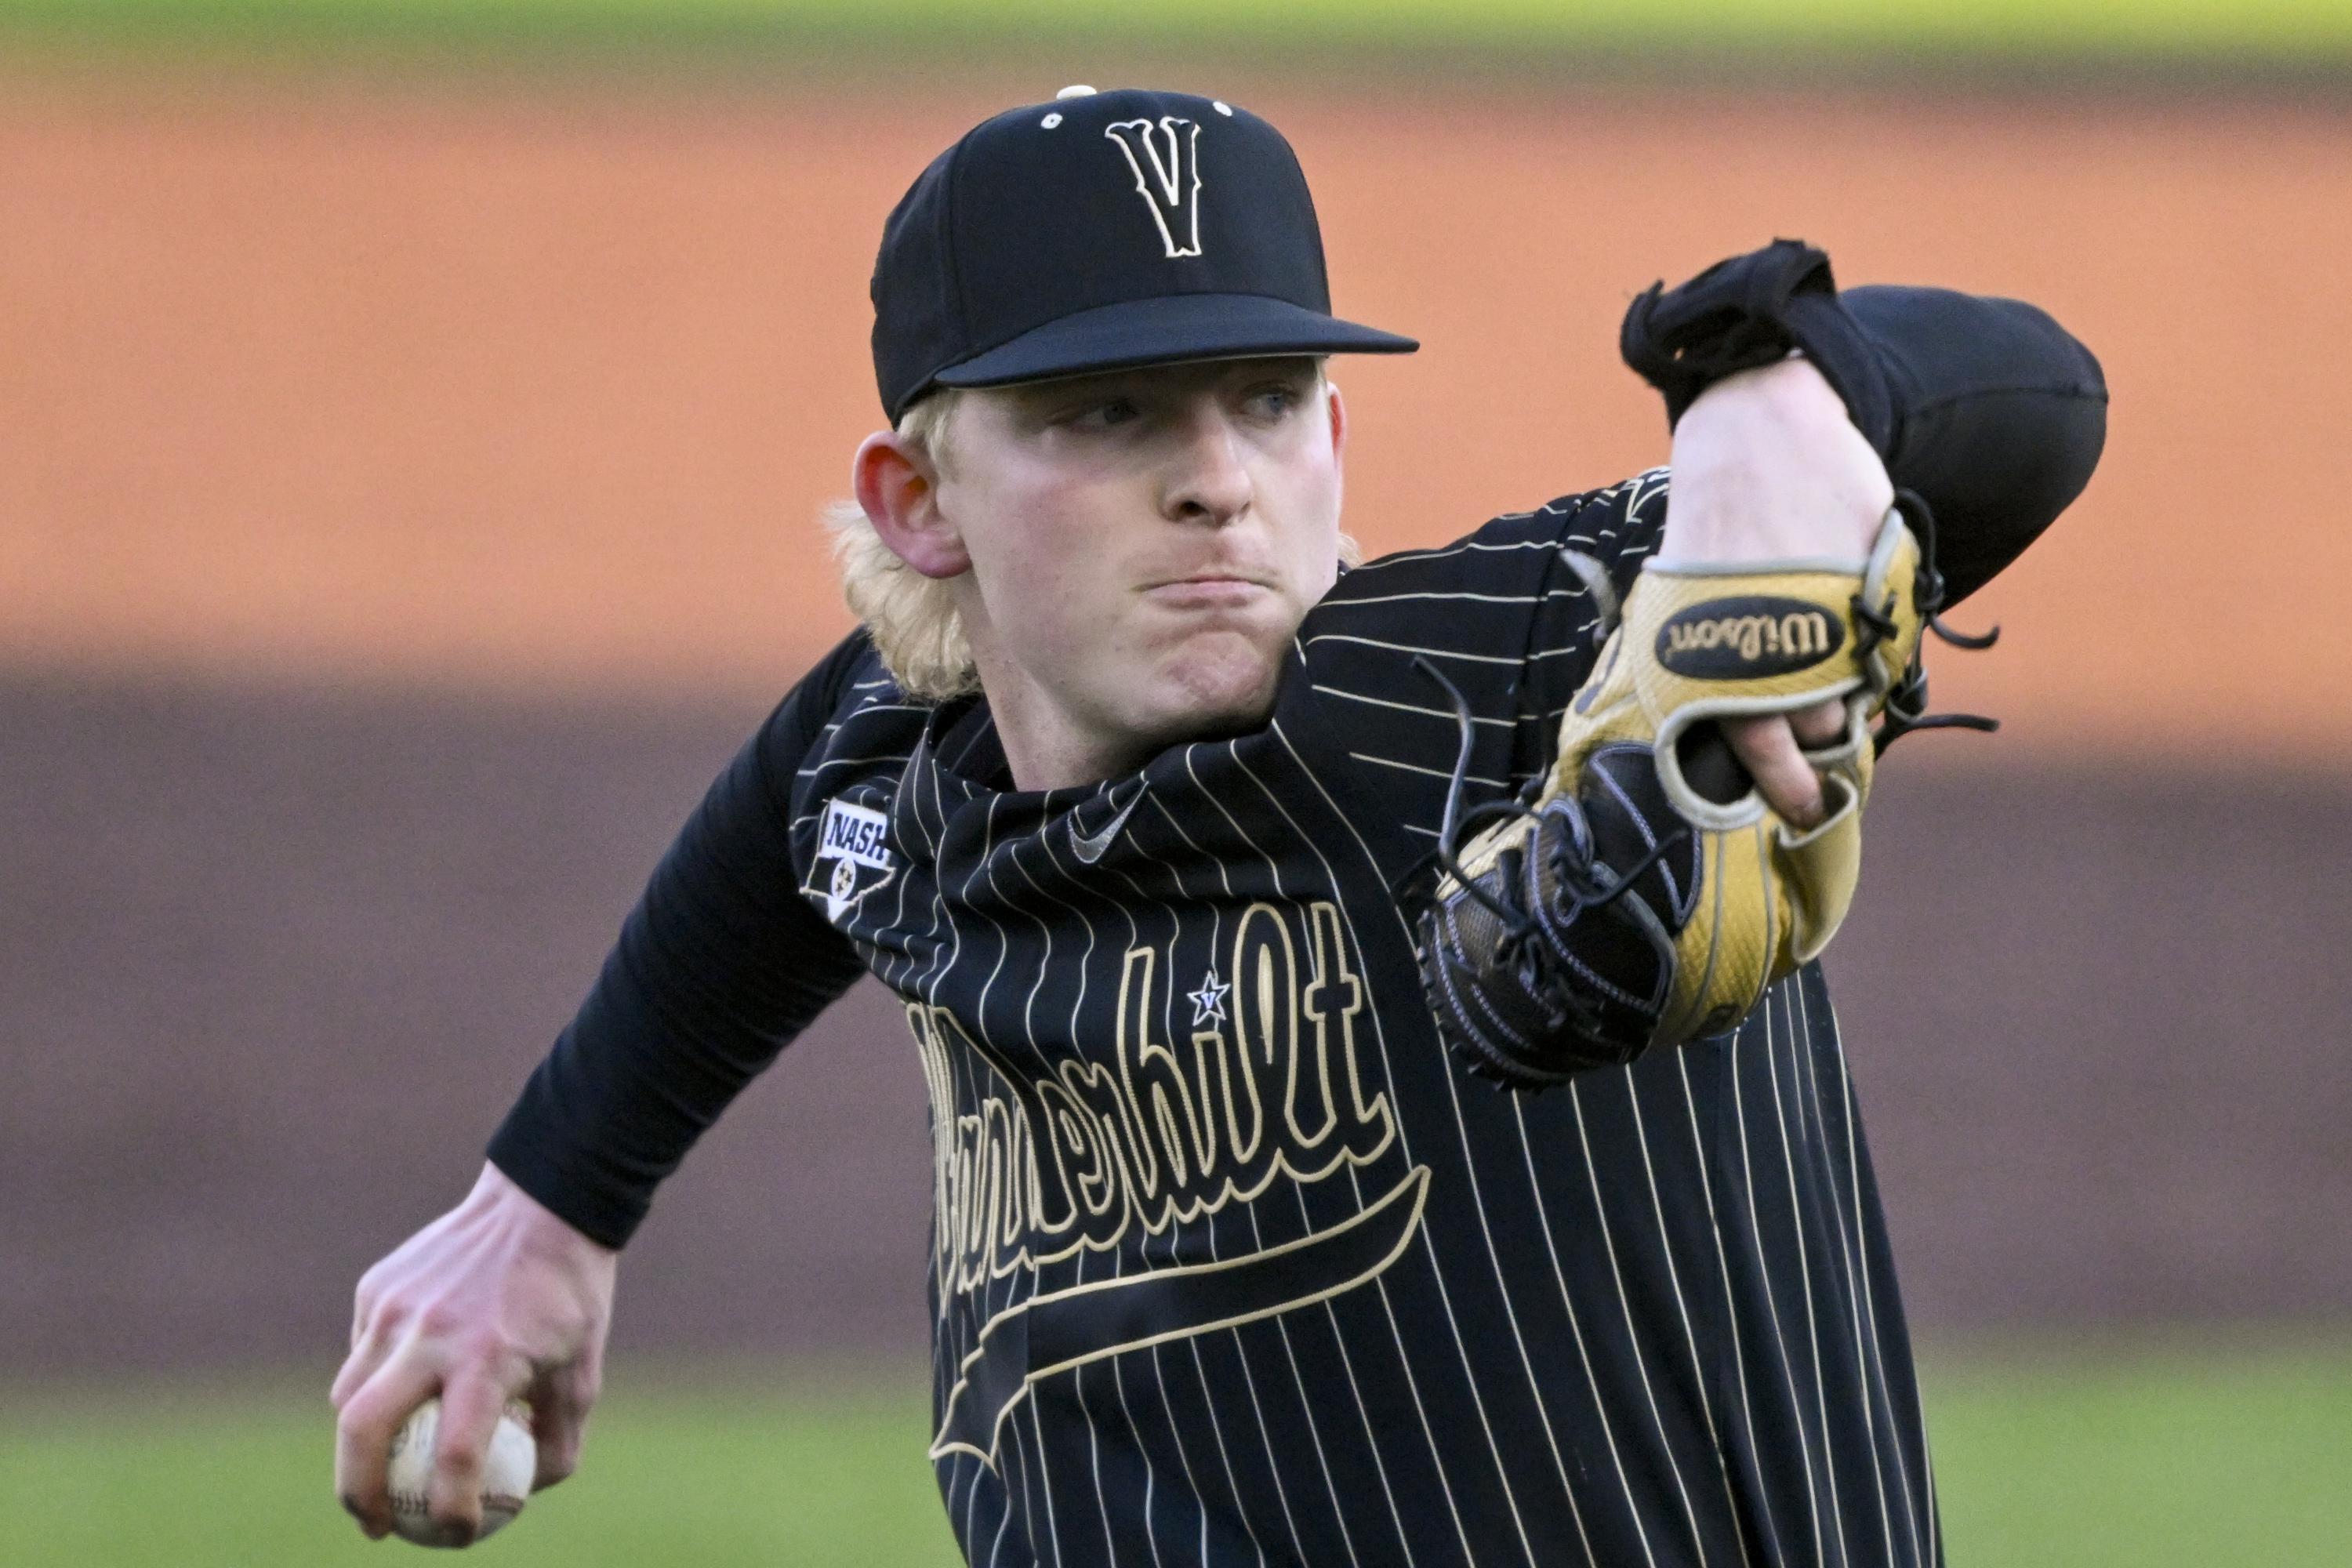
(1589, 883)
(1905, 699)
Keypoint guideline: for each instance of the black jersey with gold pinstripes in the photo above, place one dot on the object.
(1230, 1263)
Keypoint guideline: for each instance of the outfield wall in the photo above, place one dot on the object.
(407, 502)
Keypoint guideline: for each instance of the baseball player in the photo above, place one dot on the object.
(1208, 867)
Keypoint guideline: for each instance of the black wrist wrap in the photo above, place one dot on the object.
(1751, 311)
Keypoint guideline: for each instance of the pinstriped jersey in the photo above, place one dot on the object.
(1231, 1264)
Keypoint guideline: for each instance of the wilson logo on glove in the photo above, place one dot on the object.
(1751, 635)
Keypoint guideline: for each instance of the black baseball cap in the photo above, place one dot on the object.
(1100, 231)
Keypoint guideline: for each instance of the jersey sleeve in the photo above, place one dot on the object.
(2000, 418)
(1499, 616)
(719, 965)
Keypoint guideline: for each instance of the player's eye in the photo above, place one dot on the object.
(1104, 413)
(1276, 401)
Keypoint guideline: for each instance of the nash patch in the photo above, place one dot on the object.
(1748, 637)
(856, 840)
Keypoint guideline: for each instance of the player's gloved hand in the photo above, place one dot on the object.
(1768, 466)
(1648, 894)
(497, 1299)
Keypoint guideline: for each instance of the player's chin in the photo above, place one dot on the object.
(1217, 682)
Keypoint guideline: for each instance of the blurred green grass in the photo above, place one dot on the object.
(2148, 1455)
(693, 1470)
(2291, 34)
(2092, 1455)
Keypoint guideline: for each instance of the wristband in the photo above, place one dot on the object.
(1749, 312)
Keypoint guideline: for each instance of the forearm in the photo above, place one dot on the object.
(1767, 467)
(721, 965)
(668, 1037)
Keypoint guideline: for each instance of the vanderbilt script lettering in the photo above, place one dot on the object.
(1034, 1168)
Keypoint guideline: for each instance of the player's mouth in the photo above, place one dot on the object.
(1206, 591)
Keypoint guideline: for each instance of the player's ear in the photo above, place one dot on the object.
(897, 483)
(1338, 409)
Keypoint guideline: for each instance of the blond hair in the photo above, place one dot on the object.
(912, 618)
(913, 621)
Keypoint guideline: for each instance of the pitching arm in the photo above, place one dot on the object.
(510, 1294)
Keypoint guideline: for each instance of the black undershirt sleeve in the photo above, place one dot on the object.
(2000, 416)
(721, 965)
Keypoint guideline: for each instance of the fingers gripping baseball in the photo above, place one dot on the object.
(497, 1300)
(368, 1418)
(560, 1400)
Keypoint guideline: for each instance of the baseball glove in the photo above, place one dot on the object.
(1648, 895)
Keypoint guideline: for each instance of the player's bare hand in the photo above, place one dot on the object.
(497, 1299)
(1768, 748)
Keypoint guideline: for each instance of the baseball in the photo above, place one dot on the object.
(505, 1474)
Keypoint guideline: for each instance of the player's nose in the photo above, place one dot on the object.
(1207, 477)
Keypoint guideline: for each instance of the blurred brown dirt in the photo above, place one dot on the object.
(276, 958)
(406, 502)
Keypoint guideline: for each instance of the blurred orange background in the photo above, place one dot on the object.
(542, 390)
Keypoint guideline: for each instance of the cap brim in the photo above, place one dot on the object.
(1166, 329)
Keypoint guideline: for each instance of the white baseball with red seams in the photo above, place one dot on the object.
(507, 1473)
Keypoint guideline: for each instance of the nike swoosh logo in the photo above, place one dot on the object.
(1090, 846)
